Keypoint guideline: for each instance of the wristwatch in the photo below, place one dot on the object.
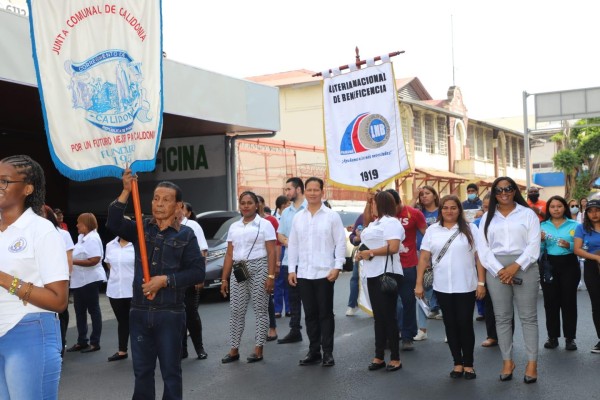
(271, 276)
(371, 255)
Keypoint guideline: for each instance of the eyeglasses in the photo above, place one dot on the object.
(506, 189)
(4, 183)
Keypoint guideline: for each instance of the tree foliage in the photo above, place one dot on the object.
(579, 156)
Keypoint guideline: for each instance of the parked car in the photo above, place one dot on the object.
(215, 225)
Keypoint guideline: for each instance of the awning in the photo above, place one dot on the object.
(438, 178)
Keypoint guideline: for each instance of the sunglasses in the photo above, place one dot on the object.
(506, 189)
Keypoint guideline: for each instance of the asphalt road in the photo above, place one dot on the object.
(562, 375)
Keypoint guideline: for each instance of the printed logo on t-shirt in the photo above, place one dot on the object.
(18, 246)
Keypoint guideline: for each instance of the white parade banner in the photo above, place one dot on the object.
(99, 71)
(363, 132)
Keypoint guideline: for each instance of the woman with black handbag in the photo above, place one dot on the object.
(449, 245)
(250, 260)
(559, 273)
(381, 261)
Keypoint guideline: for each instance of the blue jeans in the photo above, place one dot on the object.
(353, 299)
(157, 334)
(280, 294)
(30, 360)
(87, 299)
(406, 303)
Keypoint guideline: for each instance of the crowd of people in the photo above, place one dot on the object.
(435, 258)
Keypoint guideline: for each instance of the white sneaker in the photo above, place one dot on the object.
(439, 316)
(351, 311)
(433, 314)
(420, 336)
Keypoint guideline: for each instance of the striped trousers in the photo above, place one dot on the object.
(240, 295)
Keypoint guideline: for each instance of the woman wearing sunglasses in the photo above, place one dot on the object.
(508, 248)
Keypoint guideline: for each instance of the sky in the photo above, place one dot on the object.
(500, 48)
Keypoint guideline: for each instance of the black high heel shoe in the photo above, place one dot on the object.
(507, 377)
(529, 379)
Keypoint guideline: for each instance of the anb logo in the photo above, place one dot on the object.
(365, 132)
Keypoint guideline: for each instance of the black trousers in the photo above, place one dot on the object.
(272, 321)
(121, 309)
(317, 299)
(63, 317)
(457, 309)
(192, 319)
(591, 277)
(490, 318)
(295, 306)
(560, 295)
(384, 318)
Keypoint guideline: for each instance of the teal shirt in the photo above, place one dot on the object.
(565, 232)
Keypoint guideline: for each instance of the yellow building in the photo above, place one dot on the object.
(447, 149)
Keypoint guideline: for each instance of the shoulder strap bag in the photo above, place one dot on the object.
(389, 286)
(240, 268)
(428, 276)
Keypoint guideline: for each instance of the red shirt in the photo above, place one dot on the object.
(412, 220)
(275, 224)
(541, 204)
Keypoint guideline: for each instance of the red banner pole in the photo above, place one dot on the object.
(140, 229)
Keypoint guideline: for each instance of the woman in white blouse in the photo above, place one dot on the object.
(458, 280)
(508, 248)
(87, 276)
(120, 260)
(382, 237)
(251, 239)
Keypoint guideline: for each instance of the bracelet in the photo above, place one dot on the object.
(13, 286)
(25, 298)
(271, 276)
(480, 283)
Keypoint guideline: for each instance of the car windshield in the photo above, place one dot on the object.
(224, 229)
(348, 217)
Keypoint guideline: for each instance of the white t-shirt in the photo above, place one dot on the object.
(122, 262)
(243, 236)
(32, 250)
(67, 239)
(87, 246)
(376, 236)
(198, 231)
(456, 272)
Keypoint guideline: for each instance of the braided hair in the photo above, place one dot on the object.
(32, 174)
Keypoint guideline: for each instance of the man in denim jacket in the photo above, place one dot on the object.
(157, 316)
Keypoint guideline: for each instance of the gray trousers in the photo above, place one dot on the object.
(525, 298)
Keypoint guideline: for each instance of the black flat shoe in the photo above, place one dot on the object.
(254, 358)
(291, 337)
(271, 338)
(202, 355)
(229, 358)
(391, 367)
(90, 349)
(328, 360)
(375, 366)
(470, 375)
(77, 347)
(529, 379)
(551, 343)
(117, 357)
(570, 345)
(456, 374)
(310, 359)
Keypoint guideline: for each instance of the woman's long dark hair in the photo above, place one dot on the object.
(188, 207)
(566, 214)
(432, 190)
(494, 202)
(588, 225)
(463, 226)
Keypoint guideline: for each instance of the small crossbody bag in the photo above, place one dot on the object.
(428, 276)
(240, 268)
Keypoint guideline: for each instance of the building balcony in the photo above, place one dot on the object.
(473, 168)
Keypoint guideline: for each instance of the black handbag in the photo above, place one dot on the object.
(240, 268)
(388, 284)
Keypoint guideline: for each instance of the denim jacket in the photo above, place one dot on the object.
(172, 252)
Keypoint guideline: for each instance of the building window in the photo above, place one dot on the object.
(515, 152)
(489, 145)
(522, 152)
(429, 134)
(417, 131)
(479, 140)
(471, 141)
(442, 136)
